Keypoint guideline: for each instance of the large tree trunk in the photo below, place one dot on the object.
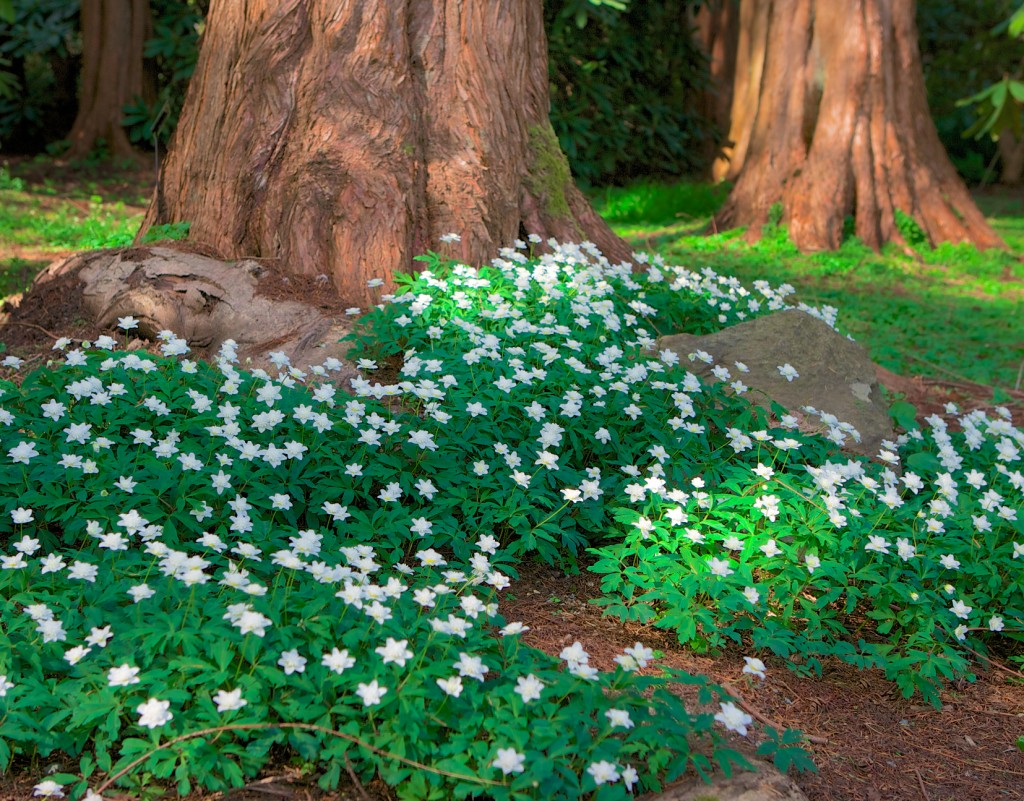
(346, 138)
(1011, 151)
(717, 29)
(114, 33)
(751, 31)
(842, 129)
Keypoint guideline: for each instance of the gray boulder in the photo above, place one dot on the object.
(766, 784)
(836, 377)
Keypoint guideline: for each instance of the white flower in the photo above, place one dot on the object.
(877, 544)
(291, 662)
(154, 713)
(603, 772)
(529, 688)
(812, 562)
(371, 693)
(229, 700)
(127, 323)
(905, 549)
(99, 636)
(452, 685)
(394, 651)
(787, 371)
(961, 610)
(754, 666)
(141, 592)
(733, 718)
(509, 761)
(471, 666)
(719, 567)
(48, 789)
(122, 676)
(619, 718)
(949, 562)
(337, 661)
(22, 515)
(23, 452)
(423, 440)
(995, 623)
(5, 685)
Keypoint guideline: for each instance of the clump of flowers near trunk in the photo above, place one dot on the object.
(202, 562)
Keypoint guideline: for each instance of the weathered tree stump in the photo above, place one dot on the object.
(204, 300)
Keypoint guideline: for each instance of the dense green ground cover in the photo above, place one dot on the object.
(345, 548)
(949, 311)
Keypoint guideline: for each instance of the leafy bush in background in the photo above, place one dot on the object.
(171, 53)
(624, 82)
(960, 57)
(42, 50)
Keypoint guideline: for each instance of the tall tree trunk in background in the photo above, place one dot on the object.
(717, 28)
(1011, 152)
(842, 129)
(751, 43)
(113, 35)
(346, 138)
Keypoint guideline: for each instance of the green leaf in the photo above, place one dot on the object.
(905, 415)
(1016, 25)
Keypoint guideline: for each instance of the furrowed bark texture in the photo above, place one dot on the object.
(345, 138)
(717, 28)
(842, 129)
(751, 32)
(1011, 151)
(114, 33)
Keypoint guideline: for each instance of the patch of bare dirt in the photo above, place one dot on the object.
(31, 323)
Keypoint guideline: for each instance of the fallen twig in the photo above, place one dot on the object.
(355, 779)
(756, 713)
(306, 726)
(50, 334)
(920, 782)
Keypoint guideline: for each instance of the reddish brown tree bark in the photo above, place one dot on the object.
(751, 32)
(113, 35)
(717, 29)
(345, 138)
(1011, 152)
(841, 128)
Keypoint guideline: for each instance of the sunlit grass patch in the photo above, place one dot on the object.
(950, 311)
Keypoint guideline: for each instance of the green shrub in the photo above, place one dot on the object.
(624, 95)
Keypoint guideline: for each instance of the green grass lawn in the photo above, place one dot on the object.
(951, 312)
